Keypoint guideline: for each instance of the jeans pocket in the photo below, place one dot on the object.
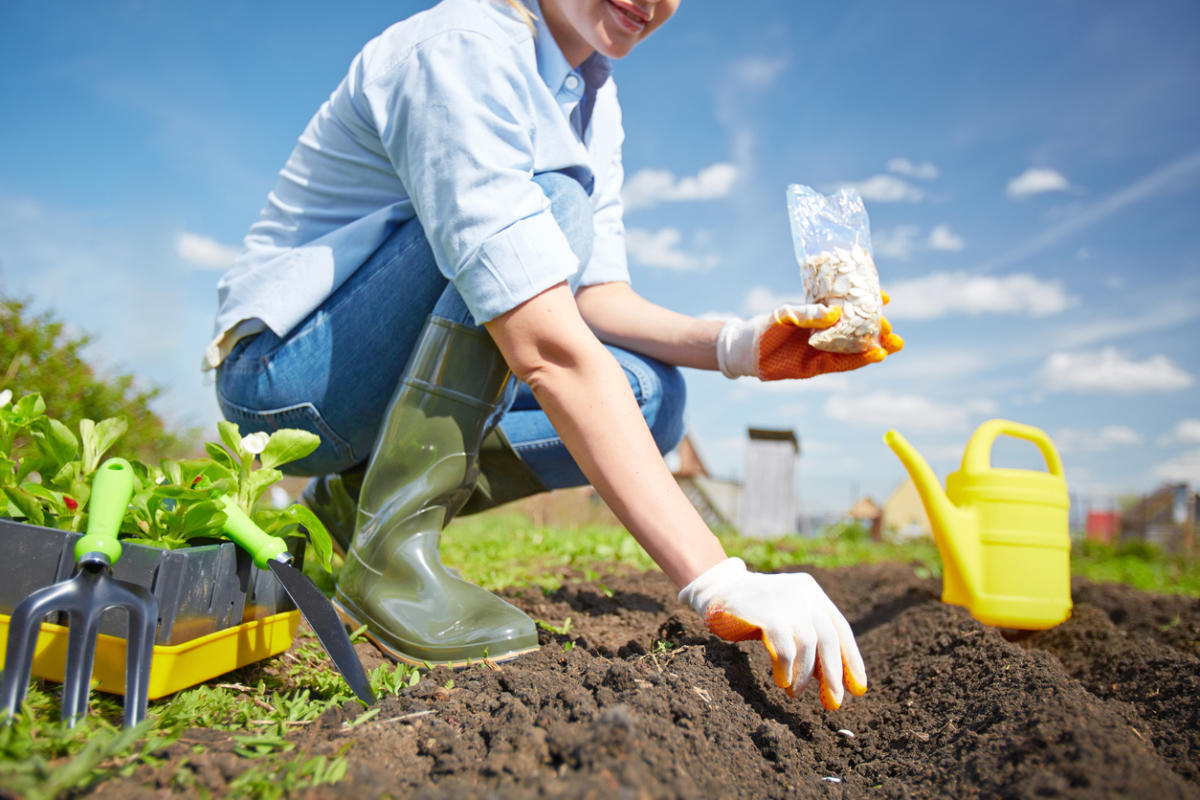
(334, 453)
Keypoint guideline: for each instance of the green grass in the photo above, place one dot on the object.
(260, 704)
(500, 549)
(505, 549)
(1138, 564)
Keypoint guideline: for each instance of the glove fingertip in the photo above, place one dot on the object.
(829, 698)
(857, 686)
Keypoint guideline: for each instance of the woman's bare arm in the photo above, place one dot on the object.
(618, 315)
(585, 394)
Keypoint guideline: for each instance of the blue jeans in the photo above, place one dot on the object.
(335, 372)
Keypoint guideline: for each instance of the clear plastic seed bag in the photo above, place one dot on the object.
(832, 236)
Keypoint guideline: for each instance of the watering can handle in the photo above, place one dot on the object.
(112, 486)
(978, 455)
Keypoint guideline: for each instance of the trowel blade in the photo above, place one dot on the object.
(319, 612)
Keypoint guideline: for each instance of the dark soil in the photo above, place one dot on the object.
(1105, 705)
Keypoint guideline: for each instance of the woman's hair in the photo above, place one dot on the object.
(524, 13)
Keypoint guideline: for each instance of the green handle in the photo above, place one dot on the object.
(112, 486)
(262, 546)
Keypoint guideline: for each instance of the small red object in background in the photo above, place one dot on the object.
(1102, 526)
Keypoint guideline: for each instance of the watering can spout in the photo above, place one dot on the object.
(954, 529)
(941, 511)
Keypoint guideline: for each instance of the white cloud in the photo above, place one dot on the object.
(941, 238)
(1086, 440)
(830, 382)
(943, 293)
(760, 300)
(1186, 431)
(1168, 313)
(1109, 371)
(757, 73)
(885, 189)
(983, 405)
(204, 251)
(904, 411)
(895, 243)
(660, 249)
(1036, 181)
(938, 364)
(649, 187)
(1184, 468)
(925, 170)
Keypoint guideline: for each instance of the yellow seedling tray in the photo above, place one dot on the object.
(174, 667)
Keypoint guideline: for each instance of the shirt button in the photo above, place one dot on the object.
(571, 82)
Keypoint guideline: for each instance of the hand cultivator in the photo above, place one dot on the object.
(84, 598)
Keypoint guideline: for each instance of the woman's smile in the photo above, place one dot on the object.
(630, 17)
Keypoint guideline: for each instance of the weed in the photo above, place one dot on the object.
(393, 679)
(286, 777)
(561, 630)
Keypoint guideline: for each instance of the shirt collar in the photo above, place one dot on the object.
(552, 64)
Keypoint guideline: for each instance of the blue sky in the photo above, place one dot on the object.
(1032, 171)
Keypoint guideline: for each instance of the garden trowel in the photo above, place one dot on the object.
(270, 552)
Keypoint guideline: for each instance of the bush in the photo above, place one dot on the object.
(37, 353)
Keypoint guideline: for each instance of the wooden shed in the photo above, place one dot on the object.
(768, 506)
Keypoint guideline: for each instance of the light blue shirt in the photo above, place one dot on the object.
(445, 116)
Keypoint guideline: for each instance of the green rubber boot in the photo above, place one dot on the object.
(424, 468)
(503, 478)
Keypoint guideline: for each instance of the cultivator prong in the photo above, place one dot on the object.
(84, 598)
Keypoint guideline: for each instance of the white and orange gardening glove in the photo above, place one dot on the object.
(804, 633)
(775, 346)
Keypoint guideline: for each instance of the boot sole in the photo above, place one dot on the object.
(351, 621)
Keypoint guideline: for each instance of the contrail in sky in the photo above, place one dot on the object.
(1134, 193)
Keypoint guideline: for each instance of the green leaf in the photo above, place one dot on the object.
(318, 536)
(8, 471)
(288, 444)
(221, 456)
(57, 444)
(173, 471)
(259, 481)
(203, 519)
(232, 437)
(107, 433)
(97, 438)
(179, 492)
(28, 408)
(26, 504)
(40, 492)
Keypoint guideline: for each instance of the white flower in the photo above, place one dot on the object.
(255, 443)
(5, 396)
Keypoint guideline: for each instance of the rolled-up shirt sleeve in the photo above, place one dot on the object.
(464, 150)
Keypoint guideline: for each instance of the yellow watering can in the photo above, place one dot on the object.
(1002, 534)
